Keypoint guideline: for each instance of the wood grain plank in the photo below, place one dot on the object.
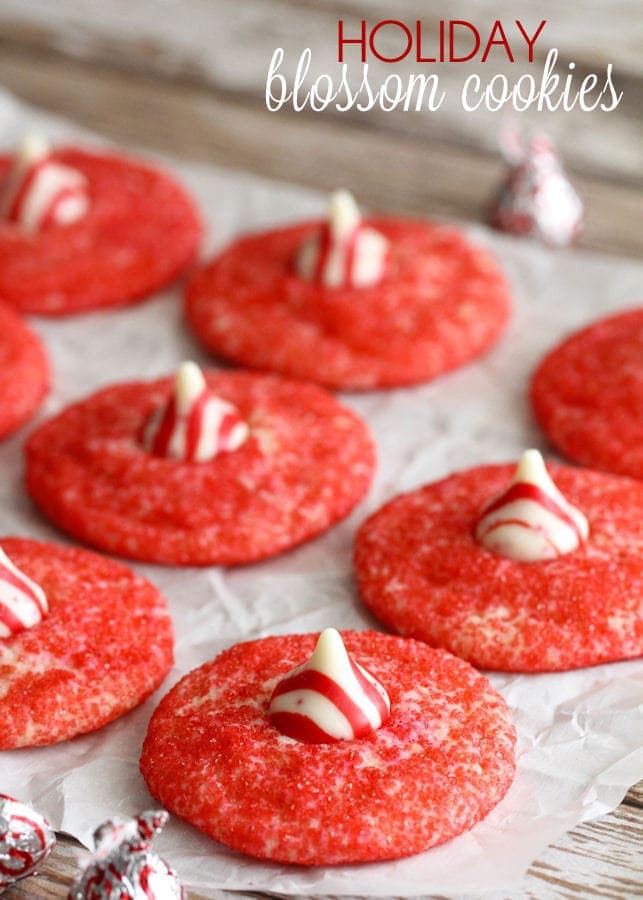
(601, 858)
(227, 47)
(634, 796)
(395, 173)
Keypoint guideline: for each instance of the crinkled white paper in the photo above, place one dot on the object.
(580, 733)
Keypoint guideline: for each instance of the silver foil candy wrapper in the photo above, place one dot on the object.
(26, 839)
(536, 199)
(123, 865)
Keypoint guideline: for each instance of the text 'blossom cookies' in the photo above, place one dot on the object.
(434, 767)
(81, 230)
(556, 585)
(199, 469)
(102, 646)
(351, 302)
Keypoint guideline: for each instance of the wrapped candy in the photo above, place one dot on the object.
(26, 839)
(123, 865)
(536, 199)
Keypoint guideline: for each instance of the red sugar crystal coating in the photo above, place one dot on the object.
(422, 573)
(104, 646)
(307, 462)
(442, 302)
(140, 232)
(440, 763)
(588, 395)
(24, 371)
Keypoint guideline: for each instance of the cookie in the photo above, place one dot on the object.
(304, 463)
(24, 371)
(103, 645)
(436, 303)
(440, 762)
(424, 572)
(138, 232)
(588, 395)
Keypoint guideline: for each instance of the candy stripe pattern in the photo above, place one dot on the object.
(40, 192)
(26, 839)
(23, 603)
(531, 521)
(537, 199)
(124, 866)
(330, 698)
(194, 425)
(346, 253)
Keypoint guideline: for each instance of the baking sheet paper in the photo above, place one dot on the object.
(580, 733)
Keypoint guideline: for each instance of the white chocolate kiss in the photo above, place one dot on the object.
(345, 253)
(38, 190)
(537, 526)
(356, 704)
(194, 425)
(23, 603)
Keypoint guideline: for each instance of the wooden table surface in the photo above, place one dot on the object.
(188, 78)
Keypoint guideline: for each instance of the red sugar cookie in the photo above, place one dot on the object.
(307, 462)
(104, 646)
(422, 573)
(439, 764)
(24, 371)
(140, 232)
(441, 302)
(588, 395)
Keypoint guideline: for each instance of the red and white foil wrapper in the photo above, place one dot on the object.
(23, 603)
(329, 698)
(26, 839)
(537, 199)
(345, 253)
(531, 521)
(124, 866)
(194, 425)
(39, 192)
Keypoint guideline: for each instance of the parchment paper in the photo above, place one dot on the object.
(580, 733)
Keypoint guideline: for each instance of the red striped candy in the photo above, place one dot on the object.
(124, 866)
(40, 192)
(22, 602)
(531, 520)
(537, 199)
(194, 425)
(26, 839)
(329, 698)
(345, 253)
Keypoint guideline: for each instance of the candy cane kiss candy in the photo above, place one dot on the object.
(26, 840)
